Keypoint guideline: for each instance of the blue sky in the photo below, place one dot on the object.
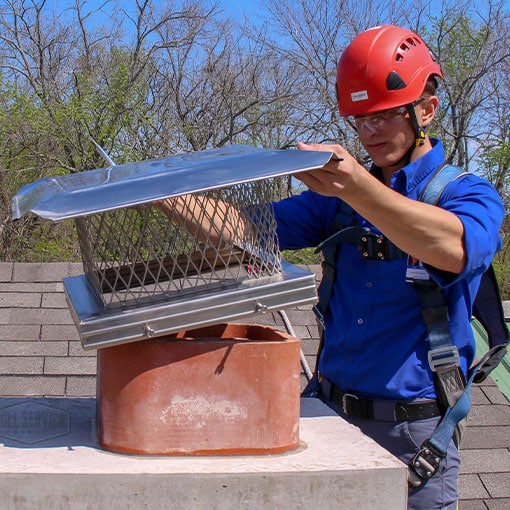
(237, 9)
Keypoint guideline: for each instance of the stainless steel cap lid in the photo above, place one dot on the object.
(115, 187)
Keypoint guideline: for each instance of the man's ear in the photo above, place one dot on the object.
(428, 109)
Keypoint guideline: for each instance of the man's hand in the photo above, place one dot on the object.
(335, 178)
(429, 233)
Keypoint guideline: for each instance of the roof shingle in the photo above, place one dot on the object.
(42, 357)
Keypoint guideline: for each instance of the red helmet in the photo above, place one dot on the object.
(383, 67)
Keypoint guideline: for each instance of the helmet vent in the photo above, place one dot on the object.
(395, 82)
(409, 43)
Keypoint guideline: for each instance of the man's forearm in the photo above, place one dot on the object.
(429, 233)
(210, 221)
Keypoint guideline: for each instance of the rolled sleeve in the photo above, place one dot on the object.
(480, 209)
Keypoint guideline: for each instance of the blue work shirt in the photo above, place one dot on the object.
(375, 341)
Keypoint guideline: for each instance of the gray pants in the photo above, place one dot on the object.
(403, 439)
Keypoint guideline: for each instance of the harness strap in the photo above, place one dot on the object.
(443, 356)
(345, 216)
(426, 462)
(453, 392)
(371, 246)
(446, 173)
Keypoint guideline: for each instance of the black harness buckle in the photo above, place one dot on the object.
(377, 247)
(424, 465)
(373, 246)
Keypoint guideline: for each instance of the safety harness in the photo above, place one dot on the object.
(452, 388)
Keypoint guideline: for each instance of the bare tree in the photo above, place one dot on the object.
(146, 79)
(308, 36)
(232, 94)
(69, 79)
(471, 43)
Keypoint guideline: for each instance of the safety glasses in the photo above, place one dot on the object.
(379, 120)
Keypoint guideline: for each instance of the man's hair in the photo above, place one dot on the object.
(431, 86)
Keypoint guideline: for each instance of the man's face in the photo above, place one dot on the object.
(386, 135)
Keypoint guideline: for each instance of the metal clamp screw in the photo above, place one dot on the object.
(148, 331)
(260, 307)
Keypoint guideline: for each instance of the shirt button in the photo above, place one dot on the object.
(360, 321)
(369, 285)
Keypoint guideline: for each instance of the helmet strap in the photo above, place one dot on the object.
(420, 137)
(420, 132)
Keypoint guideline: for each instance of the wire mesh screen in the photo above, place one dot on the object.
(186, 246)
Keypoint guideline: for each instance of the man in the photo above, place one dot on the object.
(375, 343)
(373, 366)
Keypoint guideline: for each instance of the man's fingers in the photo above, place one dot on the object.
(321, 148)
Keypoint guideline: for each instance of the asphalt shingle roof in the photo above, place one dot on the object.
(41, 356)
